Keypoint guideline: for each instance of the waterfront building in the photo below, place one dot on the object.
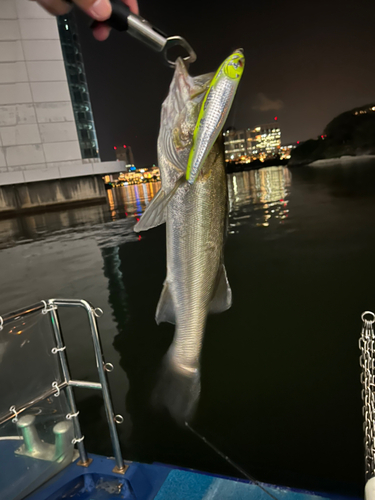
(285, 151)
(234, 144)
(78, 89)
(259, 143)
(48, 147)
(124, 153)
(263, 141)
(139, 176)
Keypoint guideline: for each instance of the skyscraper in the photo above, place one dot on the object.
(263, 141)
(260, 143)
(47, 131)
(124, 153)
(79, 93)
(234, 144)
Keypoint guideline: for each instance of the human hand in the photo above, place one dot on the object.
(99, 10)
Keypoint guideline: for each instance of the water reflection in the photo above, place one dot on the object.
(27, 228)
(131, 200)
(116, 284)
(260, 195)
(257, 196)
(123, 202)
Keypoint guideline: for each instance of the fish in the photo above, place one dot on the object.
(196, 215)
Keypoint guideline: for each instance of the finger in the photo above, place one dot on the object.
(101, 31)
(97, 9)
(55, 7)
(133, 5)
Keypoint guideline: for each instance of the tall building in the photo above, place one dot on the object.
(263, 141)
(79, 93)
(234, 144)
(124, 153)
(47, 135)
(258, 143)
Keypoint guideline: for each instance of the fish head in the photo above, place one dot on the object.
(179, 116)
(234, 65)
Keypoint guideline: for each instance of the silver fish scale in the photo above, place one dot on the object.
(218, 101)
(195, 237)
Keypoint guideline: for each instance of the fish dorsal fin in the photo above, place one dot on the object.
(165, 312)
(222, 296)
(155, 214)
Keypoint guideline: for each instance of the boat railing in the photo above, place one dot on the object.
(34, 371)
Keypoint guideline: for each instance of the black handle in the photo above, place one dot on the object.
(119, 16)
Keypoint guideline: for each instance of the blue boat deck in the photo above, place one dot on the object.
(38, 435)
(158, 482)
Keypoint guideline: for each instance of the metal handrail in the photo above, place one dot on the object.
(29, 404)
(22, 312)
(92, 315)
(51, 307)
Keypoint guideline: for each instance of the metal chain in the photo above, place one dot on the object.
(367, 363)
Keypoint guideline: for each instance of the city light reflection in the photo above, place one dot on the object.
(111, 204)
(259, 195)
(133, 199)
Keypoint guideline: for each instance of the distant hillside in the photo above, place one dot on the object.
(350, 134)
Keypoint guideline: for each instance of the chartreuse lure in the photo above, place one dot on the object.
(214, 111)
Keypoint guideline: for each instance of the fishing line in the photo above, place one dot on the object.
(233, 464)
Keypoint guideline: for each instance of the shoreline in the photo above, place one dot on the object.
(343, 160)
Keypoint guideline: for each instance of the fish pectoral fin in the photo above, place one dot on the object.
(154, 215)
(222, 297)
(165, 311)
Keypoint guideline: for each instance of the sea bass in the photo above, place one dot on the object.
(196, 215)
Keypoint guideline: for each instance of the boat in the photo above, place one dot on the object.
(42, 450)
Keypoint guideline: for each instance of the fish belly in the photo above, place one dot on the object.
(196, 220)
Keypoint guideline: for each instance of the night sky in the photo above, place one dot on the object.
(306, 61)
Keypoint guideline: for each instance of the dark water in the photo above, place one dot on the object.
(280, 374)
